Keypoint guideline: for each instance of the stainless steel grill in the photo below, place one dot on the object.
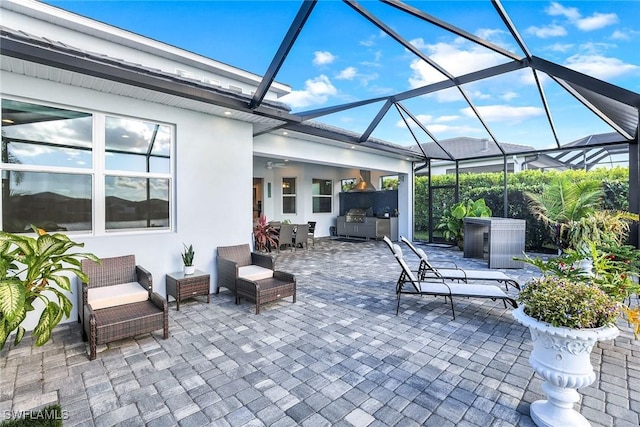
(355, 215)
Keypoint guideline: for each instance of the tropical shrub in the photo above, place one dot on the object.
(452, 223)
(36, 269)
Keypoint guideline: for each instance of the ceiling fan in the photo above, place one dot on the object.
(271, 165)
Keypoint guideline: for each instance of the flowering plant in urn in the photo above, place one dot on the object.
(568, 310)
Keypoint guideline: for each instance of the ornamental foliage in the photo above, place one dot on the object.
(34, 275)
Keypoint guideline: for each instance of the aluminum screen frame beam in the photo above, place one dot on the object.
(285, 46)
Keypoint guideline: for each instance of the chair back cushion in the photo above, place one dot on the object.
(240, 254)
(111, 271)
(112, 296)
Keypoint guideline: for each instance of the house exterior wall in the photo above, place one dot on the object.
(212, 185)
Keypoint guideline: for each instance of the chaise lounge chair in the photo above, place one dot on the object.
(408, 283)
(428, 270)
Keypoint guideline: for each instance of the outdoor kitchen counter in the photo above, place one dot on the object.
(368, 227)
(505, 240)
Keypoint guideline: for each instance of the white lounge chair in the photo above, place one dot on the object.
(408, 283)
(427, 270)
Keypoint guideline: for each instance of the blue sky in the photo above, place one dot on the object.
(340, 57)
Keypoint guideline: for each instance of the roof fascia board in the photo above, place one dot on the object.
(113, 34)
(285, 46)
(132, 76)
(595, 85)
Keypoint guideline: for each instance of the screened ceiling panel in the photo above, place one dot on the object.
(512, 108)
(567, 111)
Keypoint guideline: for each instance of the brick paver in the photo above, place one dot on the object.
(339, 356)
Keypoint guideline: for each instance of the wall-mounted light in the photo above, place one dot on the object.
(8, 121)
(227, 113)
(285, 133)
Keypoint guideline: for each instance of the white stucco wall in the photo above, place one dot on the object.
(212, 183)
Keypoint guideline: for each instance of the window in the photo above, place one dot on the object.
(348, 184)
(56, 176)
(137, 180)
(322, 195)
(288, 195)
(389, 182)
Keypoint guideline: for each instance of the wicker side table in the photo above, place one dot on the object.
(181, 286)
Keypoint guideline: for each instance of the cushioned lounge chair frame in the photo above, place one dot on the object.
(230, 258)
(123, 321)
(428, 270)
(408, 283)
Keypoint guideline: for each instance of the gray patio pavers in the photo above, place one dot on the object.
(339, 356)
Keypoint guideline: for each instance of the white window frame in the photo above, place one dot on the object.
(98, 171)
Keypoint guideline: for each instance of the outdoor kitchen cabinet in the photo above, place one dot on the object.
(370, 228)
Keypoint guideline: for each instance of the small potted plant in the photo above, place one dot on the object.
(567, 311)
(265, 236)
(187, 259)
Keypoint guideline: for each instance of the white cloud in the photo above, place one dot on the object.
(323, 57)
(316, 92)
(552, 30)
(504, 113)
(556, 9)
(449, 118)
(589, 23)
(348, 73)
(597, 21)
(600, 67)
(620, 35)
(561, 47)
(508, 96)
(456, 58)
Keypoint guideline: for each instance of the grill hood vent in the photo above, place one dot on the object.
(365, 182)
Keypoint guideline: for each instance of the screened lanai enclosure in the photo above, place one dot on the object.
(460, 95)
(524, 131)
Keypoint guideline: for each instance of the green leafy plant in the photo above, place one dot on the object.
(36, 268)
(187, 255)
(611, 274)
(563, 202)
(563, 302)
(452, 225)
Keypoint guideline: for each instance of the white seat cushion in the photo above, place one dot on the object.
(254, 272)
(111, 296)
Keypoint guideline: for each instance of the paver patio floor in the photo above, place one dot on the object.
(338, 356)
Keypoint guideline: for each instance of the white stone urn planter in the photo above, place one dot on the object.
(562, 357)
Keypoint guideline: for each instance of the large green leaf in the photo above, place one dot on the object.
(12, 297)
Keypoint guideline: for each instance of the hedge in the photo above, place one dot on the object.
(489, 186)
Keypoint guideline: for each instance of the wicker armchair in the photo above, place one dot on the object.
(119, 302)
(250, 275)
(234, 261)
